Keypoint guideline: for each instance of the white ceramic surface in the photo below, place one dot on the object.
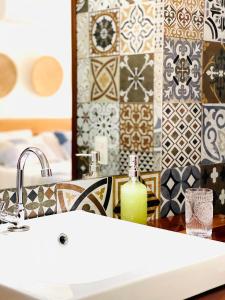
(105, 259)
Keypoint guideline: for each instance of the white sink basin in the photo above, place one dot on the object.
(105, 259)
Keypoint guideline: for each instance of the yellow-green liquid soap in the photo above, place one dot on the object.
(134, 196)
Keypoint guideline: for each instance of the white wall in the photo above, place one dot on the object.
(25, 39)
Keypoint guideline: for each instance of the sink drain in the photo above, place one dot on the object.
(63, 239)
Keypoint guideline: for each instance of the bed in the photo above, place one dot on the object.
(52, 136)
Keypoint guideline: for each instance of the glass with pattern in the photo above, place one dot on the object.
(199, 211)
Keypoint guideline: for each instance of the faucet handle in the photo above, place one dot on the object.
(94, 155)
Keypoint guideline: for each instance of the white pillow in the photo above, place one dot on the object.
(51, 140)
(15, 134)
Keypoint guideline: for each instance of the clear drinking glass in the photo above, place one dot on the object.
(199, 211)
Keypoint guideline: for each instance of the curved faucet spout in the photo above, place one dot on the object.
(45, 169)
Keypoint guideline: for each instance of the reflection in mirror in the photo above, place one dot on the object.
(30, 30)
(119, 86)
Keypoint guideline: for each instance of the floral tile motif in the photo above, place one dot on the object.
(105, 78)
(181, 139)
(94, 196)
(83, 81)
(9, 197)
(214, 21)
(82, 36)
(82, 6)
(184, 19)
(83, 124)
(137, 28)
(182, 69)
(136, 78)
(95, 5)
(104, 121)
(174, 183)
(146, 161)
(152, 182)
(104, 33)
(213, 177)
(136, 127)
(213, 134)
(213, 80)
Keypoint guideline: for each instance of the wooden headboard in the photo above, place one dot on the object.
(36, 125)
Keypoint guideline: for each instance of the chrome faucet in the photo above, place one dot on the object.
(94, 166)
(17, 217)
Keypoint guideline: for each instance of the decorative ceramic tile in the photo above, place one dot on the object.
(184, 18)
(214, 20)
(213, 177)
(83, 124)
(82, 6)
(104, 121)
(104, 33)
(157, 161)
(174, 183)
(159, 24)
(92, 195)
(136, 78)
(136, 127)
(152, 182)
(105, 78)
(213, 80)
(39, 201)
(181, 134)
(95, 5)
(83, 80)
(146, 160)
(213, 134)
(82, 36)
(137, 28)
(182, 69)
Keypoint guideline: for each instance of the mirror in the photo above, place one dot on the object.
(119, 110)
(38, 109)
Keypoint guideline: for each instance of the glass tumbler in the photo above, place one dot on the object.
(199, 211)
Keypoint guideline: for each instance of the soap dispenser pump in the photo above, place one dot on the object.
(133, 195)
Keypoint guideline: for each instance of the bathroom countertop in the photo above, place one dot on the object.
(177, 223)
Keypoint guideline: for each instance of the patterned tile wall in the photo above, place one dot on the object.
(152, 80)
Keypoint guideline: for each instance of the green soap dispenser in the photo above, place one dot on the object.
(133, 196)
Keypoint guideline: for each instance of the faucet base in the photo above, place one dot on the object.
(18, 228)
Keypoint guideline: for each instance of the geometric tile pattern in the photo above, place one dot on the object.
(213, 177)
(104, 121)
(159, 22)
(83, 124)
(137, 34)
(213, 134)
(213, 73)
(136, 127)
(38, 200)
(184, 19)
(214, 21)
(152, 182)
(93, 196)
(174, 183)
(182, 69)
(105, 78)
(146, 160)
(104, 33)
(136, 78)
(181, 140)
